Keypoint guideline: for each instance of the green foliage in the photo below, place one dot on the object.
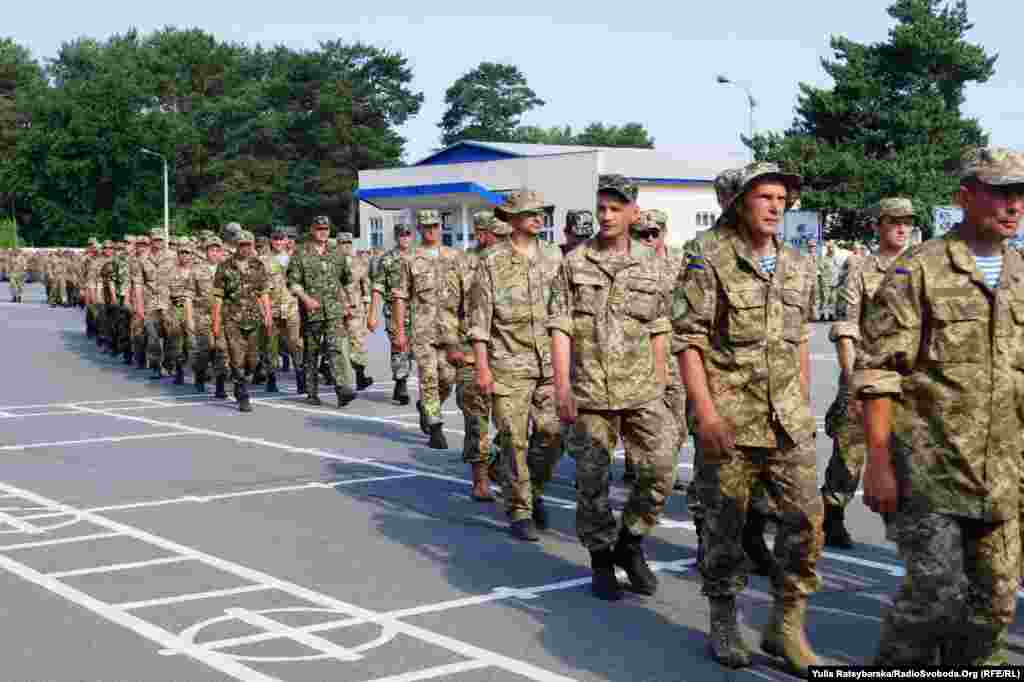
(255, 135)
(486, 104)
(8, 233)
(891, 124)
(594, 135)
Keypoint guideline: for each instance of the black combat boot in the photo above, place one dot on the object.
(260, 374)
(179, 375)
(630, 475)
(300, 380)
(755, 546)
(698, 526)
(424, 424)
(271, 383)
(362, 381)
(604, 584)
(200, 381)
(836, 534)
(629, 554)
(220, 392)
(313, 392)
(727, 645)
(345, 395)
(242, 393)
(401, 393)
(286, 362)
(140, 360)
(540, 514)
(157, 372)
(437, 440)
(129, 356)
(523, 529)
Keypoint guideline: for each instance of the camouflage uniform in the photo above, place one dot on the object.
(206, 349)
(750, 329)
(93, 284)
(181, 291)
(422, 281)
(359, 296)
(240, 282)
(826, 267)
(324, 278)
(137, 326)
(16, 264)
(116, 277)
(285, 311)
(153, 279)
(385, 278)
(949, 352)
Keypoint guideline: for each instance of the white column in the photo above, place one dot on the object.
(465, 225)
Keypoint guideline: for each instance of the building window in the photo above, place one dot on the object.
(376, 233)
(547, 232)
(706, 219)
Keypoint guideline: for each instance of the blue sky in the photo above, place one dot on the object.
(654, 63)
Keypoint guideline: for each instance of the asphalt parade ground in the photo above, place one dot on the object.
(150, 533)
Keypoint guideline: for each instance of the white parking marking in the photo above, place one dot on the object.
(59, 541)
(192, 596)
(19, 523)
(113, 568)
(432, 673)
(87, 441)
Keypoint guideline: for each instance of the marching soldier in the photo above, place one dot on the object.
(16, 265)
(360, 294)
(153, 302)
(385, 279)
(182, 311)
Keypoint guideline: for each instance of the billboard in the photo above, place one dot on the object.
(799, 227)
(945, 218)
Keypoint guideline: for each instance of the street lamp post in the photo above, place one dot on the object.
(751, 102)
(167, 195)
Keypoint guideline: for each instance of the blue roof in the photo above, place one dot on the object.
(376, 194)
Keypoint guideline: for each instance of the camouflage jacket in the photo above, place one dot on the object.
(283, 303)
(950, 352)
(385, 278)
(455, 321)
(115, 274)
(749, 327)
(858, 281)
(322, 277)
(16, 264)
(827, 270)
(360, 289)
(153, 278)
(423, 281)
(200, 286)
(508, 309)
(180, 289)
(93, 279)
(673, 263)
(239, 283)
(612, 306)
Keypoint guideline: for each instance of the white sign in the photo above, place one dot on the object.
(799, 227)
(945, 218)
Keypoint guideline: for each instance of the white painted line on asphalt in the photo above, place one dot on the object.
(59, 541)
(87, 441)
(113, 568)
(192, 596)
(18, 522)
(269, 625)
(432, 673)
(224, 662)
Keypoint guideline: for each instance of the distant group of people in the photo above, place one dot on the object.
(618, 337)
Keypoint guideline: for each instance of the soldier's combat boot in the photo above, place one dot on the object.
(401, 392)
(129, 357)
(140, 360)
(325, 373)
(242, 393)
(200, 381)
(698, 526)
(345, 395)
(727, 645)
(786, 638)
(424, 424)
(629, 554)
(755, 546)
(836, 534)
(523, 529)
(300, 380)
(259, 375)
(604, 584)
(362, 381)
(540, 514)
(271, 383)
(437, 440)
(481, 485)
(286, 362)
(313, 392)
(156, 371)
(179, 375)
(220, 392)
(630, 474)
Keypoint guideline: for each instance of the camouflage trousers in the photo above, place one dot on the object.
(284, 337)
(94, 318)
(826, 297)
(476, 415)
(401, 363)
(527, 460)
(243, 344)
(56, 291)
(118, 320)
(842, 476)
(207, 350)
(649, 435)
(959, 592)
(725, 486)
(161, 327)
(179, 346)
(330, 340)
(437, 376)
(137, 328)
(356, 327)
(17, 282)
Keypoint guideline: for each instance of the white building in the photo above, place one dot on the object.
(472, 176)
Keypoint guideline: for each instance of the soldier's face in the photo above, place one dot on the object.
(484, 238)
(763, 206)
(246, 249)
(345, 249)
(404, 239)
(614, 215)
(995, 211)
(320, 234)
(527, 223)
(185, 258)
(278, 244)
(430, 235)
(894, 231)
(157, 245)
(215, 254)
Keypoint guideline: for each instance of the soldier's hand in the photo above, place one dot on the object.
(485, 380)
(456, 357)
(565, 403)
(401, 343)
(716, 436)
(881, 491)
(371, 322)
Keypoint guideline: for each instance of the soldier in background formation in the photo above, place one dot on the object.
(284, 338)
(385, 278)
(360, 295)
(16, 265)
(209, 350)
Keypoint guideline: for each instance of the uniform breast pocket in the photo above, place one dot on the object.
(425, 283)
(793, 314)
(959, 332)
(642, 298)
(746, 316)
(589, 292)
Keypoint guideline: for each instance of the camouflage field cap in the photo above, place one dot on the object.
(344, 237)
(93, 242)
(213, 240)
(279, 232)
(186, 247)
(157, 233)
(402, 228)
(895, 207)
(484, 220)
(520, 202)
(654, 217)
(618, 184)
(129, 239)
(142, 239)
(108, 244)
(245, 237)
(428, 217)
(996, 166)
(580, 224)
(727, 186)
(764, 170)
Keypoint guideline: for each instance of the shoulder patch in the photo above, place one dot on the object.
(900, 271)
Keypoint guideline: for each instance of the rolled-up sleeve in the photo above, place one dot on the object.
(560, 303)
(693, 307)
(481, 305)
(891, 334)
